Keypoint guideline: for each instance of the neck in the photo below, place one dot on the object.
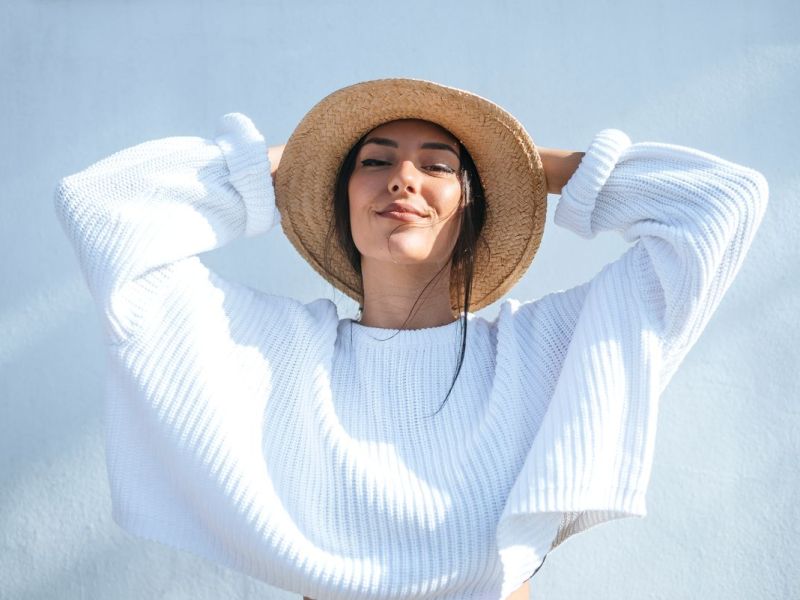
(390, 291)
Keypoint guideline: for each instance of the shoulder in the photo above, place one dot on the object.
(316, 313)
(538, 329)
(292, 317)
(561, 306)
(322, 312)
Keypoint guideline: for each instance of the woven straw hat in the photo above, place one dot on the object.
(508, 164)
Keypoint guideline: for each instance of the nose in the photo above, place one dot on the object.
(404, 177)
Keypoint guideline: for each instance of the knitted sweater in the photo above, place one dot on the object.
(280, 440)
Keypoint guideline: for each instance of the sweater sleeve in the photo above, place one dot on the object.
(143, 213)
(692, 216)
(600, 354)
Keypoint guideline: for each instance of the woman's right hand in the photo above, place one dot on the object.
(274, 153)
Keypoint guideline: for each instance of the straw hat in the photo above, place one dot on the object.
(508, 164)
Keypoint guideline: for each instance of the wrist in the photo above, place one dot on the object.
(559, 166)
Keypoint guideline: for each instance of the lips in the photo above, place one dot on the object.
(398, 209)
(408, 217)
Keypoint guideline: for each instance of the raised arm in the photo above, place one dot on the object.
(139, 216)
(600, 354)
(693, 216)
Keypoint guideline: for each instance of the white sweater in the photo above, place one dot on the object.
(277, 439)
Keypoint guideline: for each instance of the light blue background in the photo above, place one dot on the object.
(83, 79)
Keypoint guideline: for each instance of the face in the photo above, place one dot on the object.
(415, 164)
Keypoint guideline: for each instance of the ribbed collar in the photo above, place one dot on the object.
(364, 335)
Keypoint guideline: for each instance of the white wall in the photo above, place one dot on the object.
(82, 79)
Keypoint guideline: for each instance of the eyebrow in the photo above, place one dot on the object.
(433, 145)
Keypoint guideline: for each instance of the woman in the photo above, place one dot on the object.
(420, 451)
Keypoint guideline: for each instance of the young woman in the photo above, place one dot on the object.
(417, 451)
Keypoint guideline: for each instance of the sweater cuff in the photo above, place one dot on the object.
(579, 195)
(249, 168)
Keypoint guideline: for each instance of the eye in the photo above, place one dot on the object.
(375, 162)
(442, 168)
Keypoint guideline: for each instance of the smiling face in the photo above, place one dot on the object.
(415, 164)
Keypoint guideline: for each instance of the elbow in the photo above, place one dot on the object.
(761, 188)
(69, 203)
(61, 198)
(746, 193)
(750, 199)
(68, 195)
(756, 189)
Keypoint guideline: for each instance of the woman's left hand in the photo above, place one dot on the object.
(559, 165)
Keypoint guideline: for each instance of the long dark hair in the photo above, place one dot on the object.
(462, 259)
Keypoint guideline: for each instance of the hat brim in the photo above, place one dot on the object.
(505, 156)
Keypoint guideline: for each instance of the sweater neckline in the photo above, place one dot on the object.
(402, 338)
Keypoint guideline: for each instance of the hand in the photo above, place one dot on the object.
(559, 165)
(274, 154)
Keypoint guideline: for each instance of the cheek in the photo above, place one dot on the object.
(358, 191)
(359, 215)
(451, 199)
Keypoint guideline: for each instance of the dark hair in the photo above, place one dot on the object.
(463, 256)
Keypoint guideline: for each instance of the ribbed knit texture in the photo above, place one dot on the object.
(275, 438)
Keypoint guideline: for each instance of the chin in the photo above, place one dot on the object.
(408, 254)
(403, 250)
(409, 260)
